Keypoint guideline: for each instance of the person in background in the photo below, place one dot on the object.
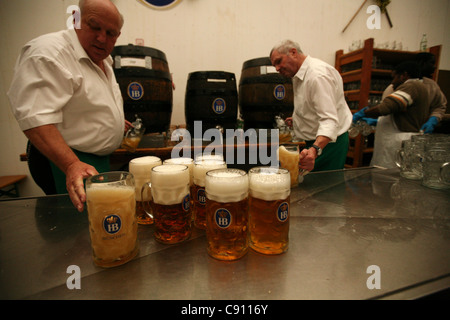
(66, 99)
(321, 115)
(438, 103)
(402, 113)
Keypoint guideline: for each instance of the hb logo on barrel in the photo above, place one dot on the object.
(223, 218)
(279, 92)
(135, 91)
(219, 106)
(112, 224)
(283, 212)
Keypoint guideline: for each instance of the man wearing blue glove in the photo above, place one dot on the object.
(407, 110)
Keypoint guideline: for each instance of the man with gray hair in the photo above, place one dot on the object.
(66, 99)
(321, 116)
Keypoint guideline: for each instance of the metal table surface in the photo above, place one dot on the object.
(341, 224)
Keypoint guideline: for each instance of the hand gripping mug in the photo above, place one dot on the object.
(269, 204)
(170, 202)
(227, 213)
(141, 169)
(111, 209)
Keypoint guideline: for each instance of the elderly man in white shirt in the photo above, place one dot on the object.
(321, 116)
(66, 99)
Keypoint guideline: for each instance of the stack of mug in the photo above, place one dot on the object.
(426, 157)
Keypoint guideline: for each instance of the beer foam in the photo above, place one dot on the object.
(170, 183)
(141, 169)
(189, 162)
(143, 165)
(226, 185)
(203, 166)
(269, 185)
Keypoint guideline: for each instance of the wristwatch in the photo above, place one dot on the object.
(318, 149)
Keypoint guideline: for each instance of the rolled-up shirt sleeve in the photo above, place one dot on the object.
(39, 91)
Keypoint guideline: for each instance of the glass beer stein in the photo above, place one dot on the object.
(133, 136)
(436, 165)
(198, 188)
(112, 220)
(408, 159)
(170, 202)
(269, 204)
(227, 213)
(141, 169)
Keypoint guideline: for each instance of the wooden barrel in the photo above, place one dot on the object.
(211, 97)
(146, 85)
(264, 94)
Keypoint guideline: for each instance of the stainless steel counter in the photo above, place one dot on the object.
(341, 224)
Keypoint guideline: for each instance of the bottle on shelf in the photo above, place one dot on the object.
(423, 43)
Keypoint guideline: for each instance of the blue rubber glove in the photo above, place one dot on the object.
(428, 126)
(370, 121)
(359, 115)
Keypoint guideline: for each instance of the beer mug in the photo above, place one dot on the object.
(198, 188)
(141, 169)
(436, 165)
(134, 135)
(269, 204)
(111, 209)
(408, 160)
(289, 157)
(170, 202)
(227, 213)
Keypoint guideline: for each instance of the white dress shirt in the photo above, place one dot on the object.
(320, 108)
(56, 82)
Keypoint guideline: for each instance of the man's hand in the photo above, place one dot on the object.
(75, 174)
(428, 127)
(359, 115)
(307, 159)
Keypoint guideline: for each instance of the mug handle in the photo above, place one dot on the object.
(444, 173)
(146, 204)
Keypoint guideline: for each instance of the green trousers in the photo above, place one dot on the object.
(333, 155)
(100, 163)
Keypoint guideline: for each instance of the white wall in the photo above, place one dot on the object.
(198, 35)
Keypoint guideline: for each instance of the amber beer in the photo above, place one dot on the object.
(112, 220)
(269, 204)
(201, 166)
(141, 169)
(170, 203)
(227, 213)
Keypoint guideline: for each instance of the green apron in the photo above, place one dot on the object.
(100, 163)
(333, 156)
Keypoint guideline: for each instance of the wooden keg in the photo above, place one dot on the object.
(212, 98)
(146, 85)
(264, 94)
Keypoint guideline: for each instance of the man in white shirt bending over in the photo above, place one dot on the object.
(66, 99)
(321, 115)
